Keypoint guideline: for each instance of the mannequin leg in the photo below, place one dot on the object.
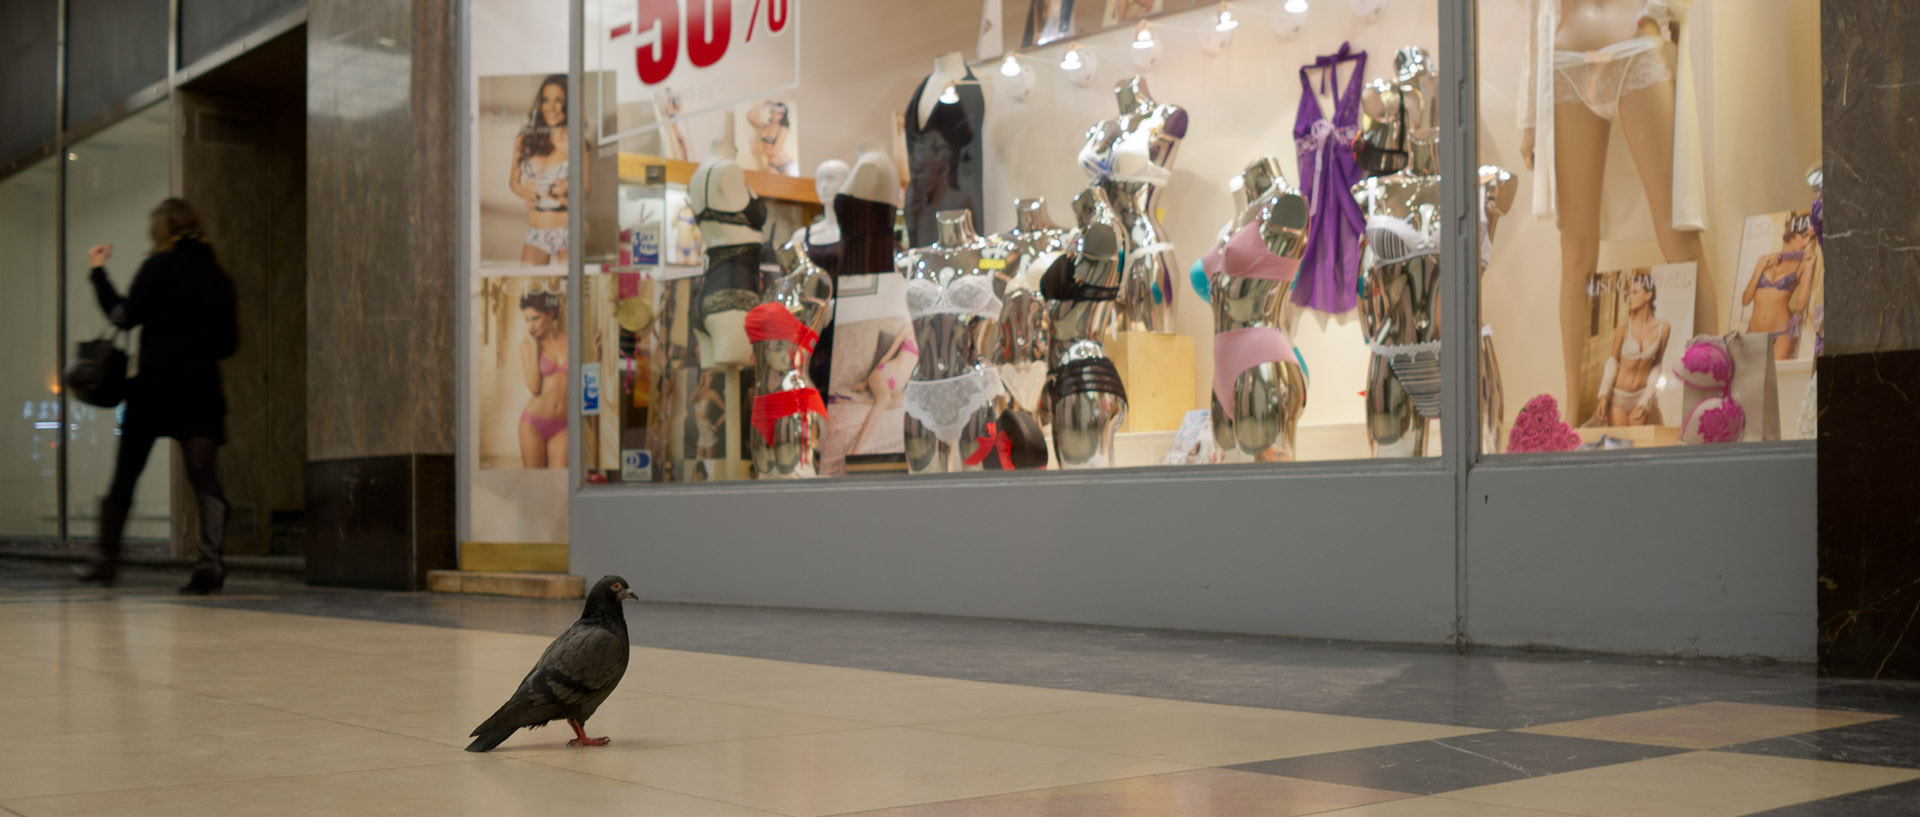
(1646, 118)
(1580, 156)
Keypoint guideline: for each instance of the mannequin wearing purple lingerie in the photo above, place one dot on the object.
(1259, 384)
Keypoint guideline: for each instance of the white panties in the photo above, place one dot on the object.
(1025, 381)
(946, 406)
(1598, 79)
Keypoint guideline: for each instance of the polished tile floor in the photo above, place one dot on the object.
(284, 700)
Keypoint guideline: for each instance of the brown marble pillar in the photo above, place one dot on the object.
(380, 330)
(1869, 391)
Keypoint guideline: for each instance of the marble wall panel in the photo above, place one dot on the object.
(1871, 101)
(380, 240)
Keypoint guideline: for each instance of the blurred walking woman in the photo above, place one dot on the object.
(184, 303)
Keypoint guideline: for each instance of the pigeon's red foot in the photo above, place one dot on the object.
(580, 736)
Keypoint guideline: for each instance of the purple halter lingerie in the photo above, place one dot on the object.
(1330, 271)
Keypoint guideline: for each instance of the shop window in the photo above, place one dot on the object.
(114, 180)
(1656, 278)
(29, 382)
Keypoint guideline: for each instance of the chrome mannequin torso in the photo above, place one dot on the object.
(780, 367)
(1089, 401)
(1267, 397)
(1130, 157)
(1400, 304)
(950, 396)
(1019, 342)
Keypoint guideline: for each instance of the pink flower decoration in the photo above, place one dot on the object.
(1539, 428)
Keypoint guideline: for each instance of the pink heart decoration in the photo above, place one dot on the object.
(1539, 428)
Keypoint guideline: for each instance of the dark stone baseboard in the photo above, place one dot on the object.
(1869, 471)
(380, 522)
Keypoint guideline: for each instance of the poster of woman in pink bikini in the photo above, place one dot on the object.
(522, 372)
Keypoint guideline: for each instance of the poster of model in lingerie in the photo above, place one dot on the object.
(1047, 21)
(1638, 322)
(1778, 289)
(873, 358)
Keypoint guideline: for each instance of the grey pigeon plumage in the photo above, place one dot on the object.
(576, 673)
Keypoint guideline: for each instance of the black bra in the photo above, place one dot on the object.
(1092, 376)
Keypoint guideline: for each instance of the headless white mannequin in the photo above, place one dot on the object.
(874, 177)
(948, 68)
(828, 179)
(720, 184)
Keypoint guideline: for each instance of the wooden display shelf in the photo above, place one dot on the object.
(633, 170)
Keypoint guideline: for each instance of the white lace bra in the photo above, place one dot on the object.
(962, 295)
(1129, 158)
(1393, 241)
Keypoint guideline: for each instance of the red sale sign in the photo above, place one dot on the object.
(706, 54)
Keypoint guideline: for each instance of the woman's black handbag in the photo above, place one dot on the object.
(98, 376)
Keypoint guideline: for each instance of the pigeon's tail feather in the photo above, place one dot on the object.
(487, 741)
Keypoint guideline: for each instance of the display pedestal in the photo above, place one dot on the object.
(1158, 371)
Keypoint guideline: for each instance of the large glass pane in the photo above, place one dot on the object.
(1657, 279)
(1065, 236)
(114, 180)
(29, 382)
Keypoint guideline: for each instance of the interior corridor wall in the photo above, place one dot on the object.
(29, 378)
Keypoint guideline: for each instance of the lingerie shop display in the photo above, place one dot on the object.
(1259, 379)
(731, 220)
(1085, 390)
(945, 153)
(950, 297)
(1130, 158)
(788, 414)
(1331, 266)
(865, 246)
(1729, 392)
(1018, 344)
(1399, 287)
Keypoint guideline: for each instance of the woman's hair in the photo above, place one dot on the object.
(1797, 224)
(171, 221)
(1645, 280)
(544, 302)
(777, 114)
(536, 139)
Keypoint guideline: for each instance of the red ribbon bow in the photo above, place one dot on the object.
(994, 439)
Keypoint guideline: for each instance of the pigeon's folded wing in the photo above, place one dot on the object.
(581, 666)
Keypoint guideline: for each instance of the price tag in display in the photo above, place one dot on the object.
(707, 54)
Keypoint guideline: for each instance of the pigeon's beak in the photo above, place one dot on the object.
(627, 594)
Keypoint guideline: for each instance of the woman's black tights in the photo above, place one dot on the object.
(202, 460)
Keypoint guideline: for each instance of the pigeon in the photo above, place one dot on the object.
(573, 677)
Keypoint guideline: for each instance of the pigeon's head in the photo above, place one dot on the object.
(612, 588)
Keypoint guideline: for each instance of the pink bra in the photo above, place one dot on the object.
(1245, 255)
(548, 367)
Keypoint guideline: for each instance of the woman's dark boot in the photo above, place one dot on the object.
(210, 572)
(104, 566)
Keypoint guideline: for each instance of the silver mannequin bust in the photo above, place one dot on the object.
(950, 398)
(780, 366)
(1267, 398)
(1089, 401)
(1130, 157)
(1400, 304)
(1018, 344)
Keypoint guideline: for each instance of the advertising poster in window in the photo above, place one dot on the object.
(1781, 275)
(874, 355)
(1639, 322)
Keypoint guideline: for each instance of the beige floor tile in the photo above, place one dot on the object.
(1201, 734)
(923, 700)
(839, 772)
(1706, 725)
(492, 789)
(1439, 807)
(97, 761)
(632, 722)
(36, 678)
(1203, 792)
(1695, 784)
(688, 673)
(134, 711)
